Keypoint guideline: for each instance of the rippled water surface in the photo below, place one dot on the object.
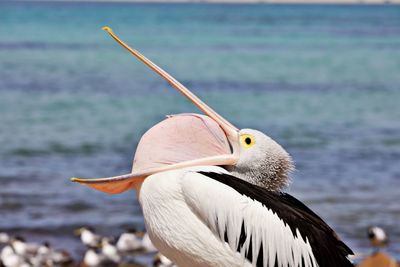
(321, 80)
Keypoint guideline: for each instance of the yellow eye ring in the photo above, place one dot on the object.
(247, 140)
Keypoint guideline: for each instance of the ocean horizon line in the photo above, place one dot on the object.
(274, 2)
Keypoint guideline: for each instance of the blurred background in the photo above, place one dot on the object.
(322, 80)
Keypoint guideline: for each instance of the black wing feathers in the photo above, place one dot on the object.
(327, 248)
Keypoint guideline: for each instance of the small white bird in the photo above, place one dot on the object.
(11, 259)
(110, 251)
(377, 236)
(4, 238)
(42, 257)
(93, 259)
(88, 237)
(52, 256)
(61, 257)
(44, 249)
(7, 250)
(378, 239)
(129, 242)
(147, 244)
(160, 260)
(40, 261)
(22, 248)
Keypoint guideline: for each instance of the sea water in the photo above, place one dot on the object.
(322, 80)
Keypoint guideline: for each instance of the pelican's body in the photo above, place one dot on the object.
(196, 219)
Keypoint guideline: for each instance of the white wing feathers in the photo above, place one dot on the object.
(227, 212)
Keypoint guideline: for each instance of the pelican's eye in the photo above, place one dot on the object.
(247, 140)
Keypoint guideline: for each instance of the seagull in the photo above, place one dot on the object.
(211, 194)
(93, 258)
(53, 256)
(9, 258)
(22, 248)
(147, 245)
(110, 251)
(88, 237)
(160, 260)
(42, 257)
(129, 242)
(378, 239)
(4, 238)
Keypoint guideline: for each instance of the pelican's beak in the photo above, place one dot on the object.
(177, 142)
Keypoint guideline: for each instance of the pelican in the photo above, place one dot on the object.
(211, 194)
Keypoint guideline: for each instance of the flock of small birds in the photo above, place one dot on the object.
(100, 251)
(103, 252)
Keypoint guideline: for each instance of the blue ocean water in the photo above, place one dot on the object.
(322, 80)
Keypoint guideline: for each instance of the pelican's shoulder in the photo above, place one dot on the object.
(266, 227)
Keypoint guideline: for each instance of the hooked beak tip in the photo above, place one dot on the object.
(107, 29)
(77, 180)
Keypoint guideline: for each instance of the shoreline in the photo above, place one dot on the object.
(266, 2)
